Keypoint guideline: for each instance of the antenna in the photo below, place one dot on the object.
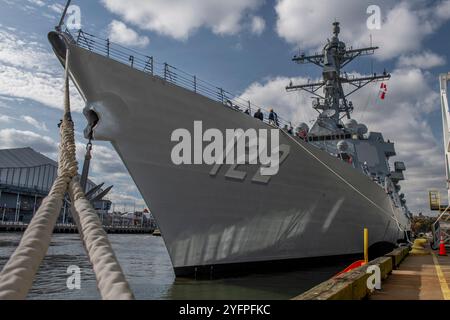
(61, 22)
(334, 57)
(371, 61)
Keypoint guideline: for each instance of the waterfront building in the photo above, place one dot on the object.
(26, 177)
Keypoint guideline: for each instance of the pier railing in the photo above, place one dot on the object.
(166, 72)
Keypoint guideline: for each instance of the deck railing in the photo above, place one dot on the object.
(166, 72)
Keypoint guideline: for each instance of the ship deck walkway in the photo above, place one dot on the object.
(418, 278)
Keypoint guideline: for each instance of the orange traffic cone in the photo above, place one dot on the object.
(442, 251)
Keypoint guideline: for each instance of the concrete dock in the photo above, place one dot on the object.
(417, 278)
(405, 276)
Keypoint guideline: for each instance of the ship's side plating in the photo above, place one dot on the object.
(316, 206)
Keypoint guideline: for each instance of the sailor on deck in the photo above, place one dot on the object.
(365, 168)
(259, 115)
(273, 118)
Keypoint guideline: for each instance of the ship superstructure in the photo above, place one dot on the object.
(334, 130)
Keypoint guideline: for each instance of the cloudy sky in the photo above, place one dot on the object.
(246, 47)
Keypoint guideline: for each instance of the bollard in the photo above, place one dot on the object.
(366, 246)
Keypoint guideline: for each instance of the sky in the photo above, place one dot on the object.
(245, 46)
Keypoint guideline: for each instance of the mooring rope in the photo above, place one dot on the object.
(16, 278)
(111, 281)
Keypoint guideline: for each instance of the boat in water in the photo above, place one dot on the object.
(334, 178)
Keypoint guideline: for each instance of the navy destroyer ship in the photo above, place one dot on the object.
(334, 180)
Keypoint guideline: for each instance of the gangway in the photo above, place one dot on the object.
(441, 226)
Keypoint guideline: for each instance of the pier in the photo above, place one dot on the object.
(405, 276)
(424, 277)
(71, 228)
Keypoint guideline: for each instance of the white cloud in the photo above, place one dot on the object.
(41, 87)
(258, 25)
(107, 162)
(16, 51)
(13, 138)
(272, 94)
(39, 3)
(106, 166)
(442, 10)
(180, 18)
(404, 27)
(400, 118)
(29, 71)
(56, 7)
(121, 34)
(424, 60)
(35, 123)
(128, 201)
(5, 119)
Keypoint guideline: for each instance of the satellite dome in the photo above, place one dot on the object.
(342, 146)
(303, 126)
(362, 129)
(351, 124)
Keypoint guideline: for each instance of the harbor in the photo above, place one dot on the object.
(151, 275)
(72, 228)
(405, 276)
(130, 173)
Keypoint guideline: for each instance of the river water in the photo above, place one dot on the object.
(147, 266)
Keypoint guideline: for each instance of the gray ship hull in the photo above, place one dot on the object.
(317, 205)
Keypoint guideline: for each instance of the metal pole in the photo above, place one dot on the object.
(151, 64)
(195, 84)
(107, 46)
(16, 217)
(86, 166)
(4, 211)
(366, 245)
(64, 211)
(58, 28)
(34, 206)
(79, 36)
(132, 61)
(103, 210)
(221, 95)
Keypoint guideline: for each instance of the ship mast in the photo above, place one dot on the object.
(333, 104)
